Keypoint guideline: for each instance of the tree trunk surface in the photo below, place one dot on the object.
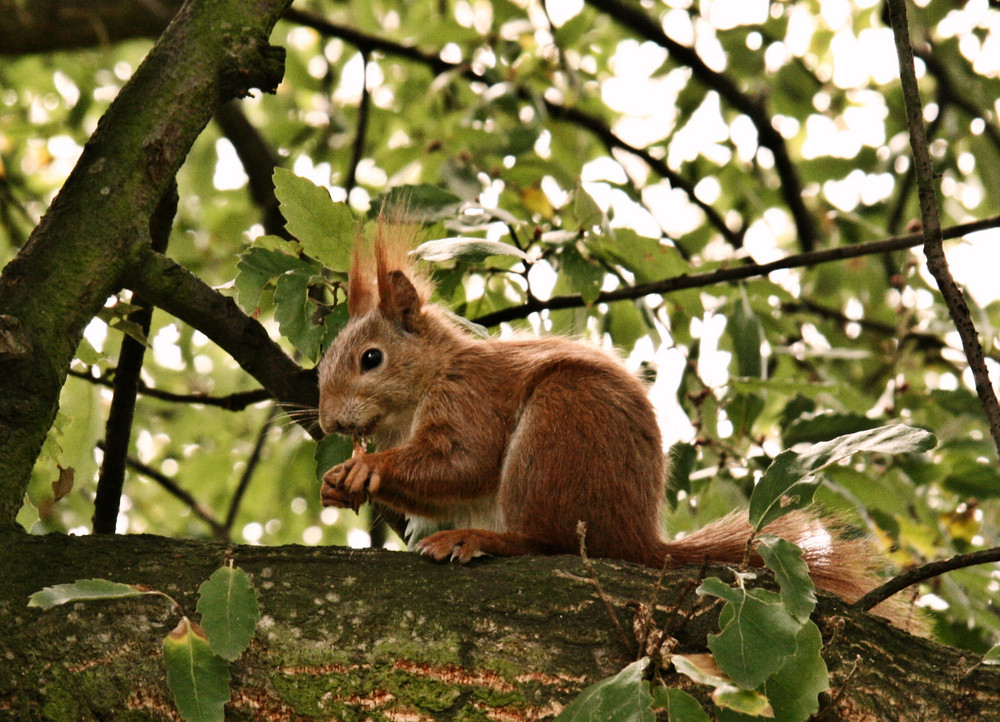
(356, 635)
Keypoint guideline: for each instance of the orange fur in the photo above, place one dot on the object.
(513, 442)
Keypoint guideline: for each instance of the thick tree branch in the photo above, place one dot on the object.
(353, 634)
(98, 224)
(179, 292)
(937, 263)
(45, 25)
(725, 275)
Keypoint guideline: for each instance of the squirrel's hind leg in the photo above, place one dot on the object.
(463, 545)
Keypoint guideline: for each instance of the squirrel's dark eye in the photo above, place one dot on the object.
(371, 359)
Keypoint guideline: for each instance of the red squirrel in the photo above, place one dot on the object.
(513, 442)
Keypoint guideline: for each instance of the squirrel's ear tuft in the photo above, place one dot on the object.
(399, 301)
(362, 291)
(383, 275)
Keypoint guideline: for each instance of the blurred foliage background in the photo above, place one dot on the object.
(617, 144)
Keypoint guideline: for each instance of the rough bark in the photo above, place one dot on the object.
(47, 25)
(98, 225)
(352, 635)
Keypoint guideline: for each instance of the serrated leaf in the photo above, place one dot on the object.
(792, 574)
(257, 267)
(757, 635)
(680, 706)
(790, 481)
(197, 677)
(325, 229)
(622, 698)
(229, 613)
(444, 249)
(85, 590)
(294, 313)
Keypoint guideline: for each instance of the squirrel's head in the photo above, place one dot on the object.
(370, 379)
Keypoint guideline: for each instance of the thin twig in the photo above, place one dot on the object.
(233, 402)
(173, 488)
(361, 133)
(924, 572)
(840, 692)
(581, 532)
(937, 263)
(251, 467)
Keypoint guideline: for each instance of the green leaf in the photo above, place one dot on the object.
(256, 268)
(821, 427)
(790, 481)
(294, 313)
(584, 276)
(794, 690)
(622, 698)
(757, 636)
(325, 229)
(747, 335)
(681, 459)
(444, 249)
(85, 590)
(227, 604)
(330, 451)
(792, 574)
(680, 706)
(197, 677)
(992, 656)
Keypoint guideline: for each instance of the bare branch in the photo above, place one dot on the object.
(735, 273)
(937, 264)
(176, 290)
(924, 572)
(632, 16)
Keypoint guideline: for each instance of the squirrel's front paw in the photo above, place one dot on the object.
(350, 484)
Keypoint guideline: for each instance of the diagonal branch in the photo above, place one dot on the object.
(179, 292)
(937, 264)
(735, 273)
(634, 17)
(98, 223)
(923, 573)
(596, 126)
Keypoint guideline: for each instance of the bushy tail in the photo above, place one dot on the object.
(840, 560)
